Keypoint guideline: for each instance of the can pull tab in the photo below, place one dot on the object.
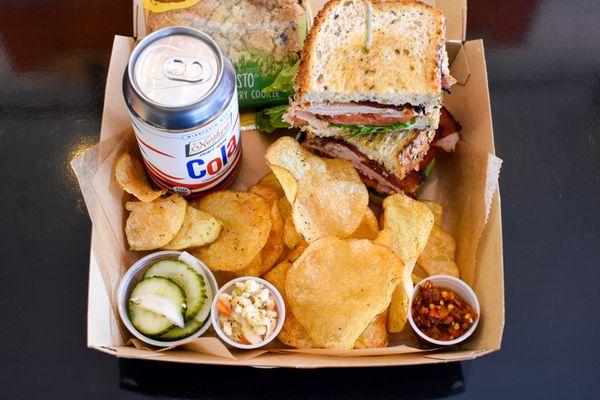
(186, 69)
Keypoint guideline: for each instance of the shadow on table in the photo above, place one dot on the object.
(197, 381)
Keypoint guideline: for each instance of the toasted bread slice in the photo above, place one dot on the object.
(400, 65)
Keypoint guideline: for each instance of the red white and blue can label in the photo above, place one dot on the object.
(193, 162)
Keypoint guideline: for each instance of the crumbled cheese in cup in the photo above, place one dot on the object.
(248, 314)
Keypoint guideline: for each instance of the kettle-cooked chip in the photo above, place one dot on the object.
(199, 228)
(131, 177)
(246, 219)
(287, 180)
(269, 194)
(339, 286)
(152, 225)
(385, 237)
(327, 195)
(288, 154)
(289, 161)
(292, 333)
(410, 222)
(439, 254)
(296, 252)
(330, 202)
(418, 274)
(436, 209)
(291, 238)
(285, 208)
(368, 228)
(376, 333)
(271, 181)
(274, 247)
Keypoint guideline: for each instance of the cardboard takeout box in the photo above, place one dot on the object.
(465, 183)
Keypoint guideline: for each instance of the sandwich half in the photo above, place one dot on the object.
(378, 63)
(369, 86)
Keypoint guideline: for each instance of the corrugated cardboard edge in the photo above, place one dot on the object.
(274, 360)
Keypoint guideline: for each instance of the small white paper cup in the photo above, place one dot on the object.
(461, 289)
(134, 275)
(227, 288)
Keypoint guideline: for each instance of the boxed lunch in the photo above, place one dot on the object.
(316, 244)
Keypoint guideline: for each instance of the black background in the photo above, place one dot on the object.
(543, 60)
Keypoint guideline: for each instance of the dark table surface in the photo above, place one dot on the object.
(544, 76)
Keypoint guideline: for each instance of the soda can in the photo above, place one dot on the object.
(181, 97)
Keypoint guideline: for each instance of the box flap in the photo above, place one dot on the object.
(455, 12)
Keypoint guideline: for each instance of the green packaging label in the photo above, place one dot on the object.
(255, 78)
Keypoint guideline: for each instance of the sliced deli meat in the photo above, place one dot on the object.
(362, 113)
(367, 119)
(372, 172)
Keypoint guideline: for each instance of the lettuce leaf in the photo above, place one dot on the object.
(360, 130)
(429, 168)
(269, 119)
(284, 81)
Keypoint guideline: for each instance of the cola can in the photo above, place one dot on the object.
(181, 97)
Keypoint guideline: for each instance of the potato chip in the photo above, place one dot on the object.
(326, 195)
(274, 247)
(270, 180)
(289, 161)
(268, 194)
(292, 333)
(410, 222)
(253, 269)
(368, 228)
(385, 237)
(291, 238)
(285, 208)
(287, 181)
(399, 309)
(131, 177)
(246, 219)
(277, 276)
(296, 252)
(439, 255)
(376, 333)
(288, 154)
(331, 202)
(152, 225)
(199, 228)
(339, 286)
(418, 274)
(436, 209)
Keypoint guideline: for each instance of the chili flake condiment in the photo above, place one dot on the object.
(440, 313)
